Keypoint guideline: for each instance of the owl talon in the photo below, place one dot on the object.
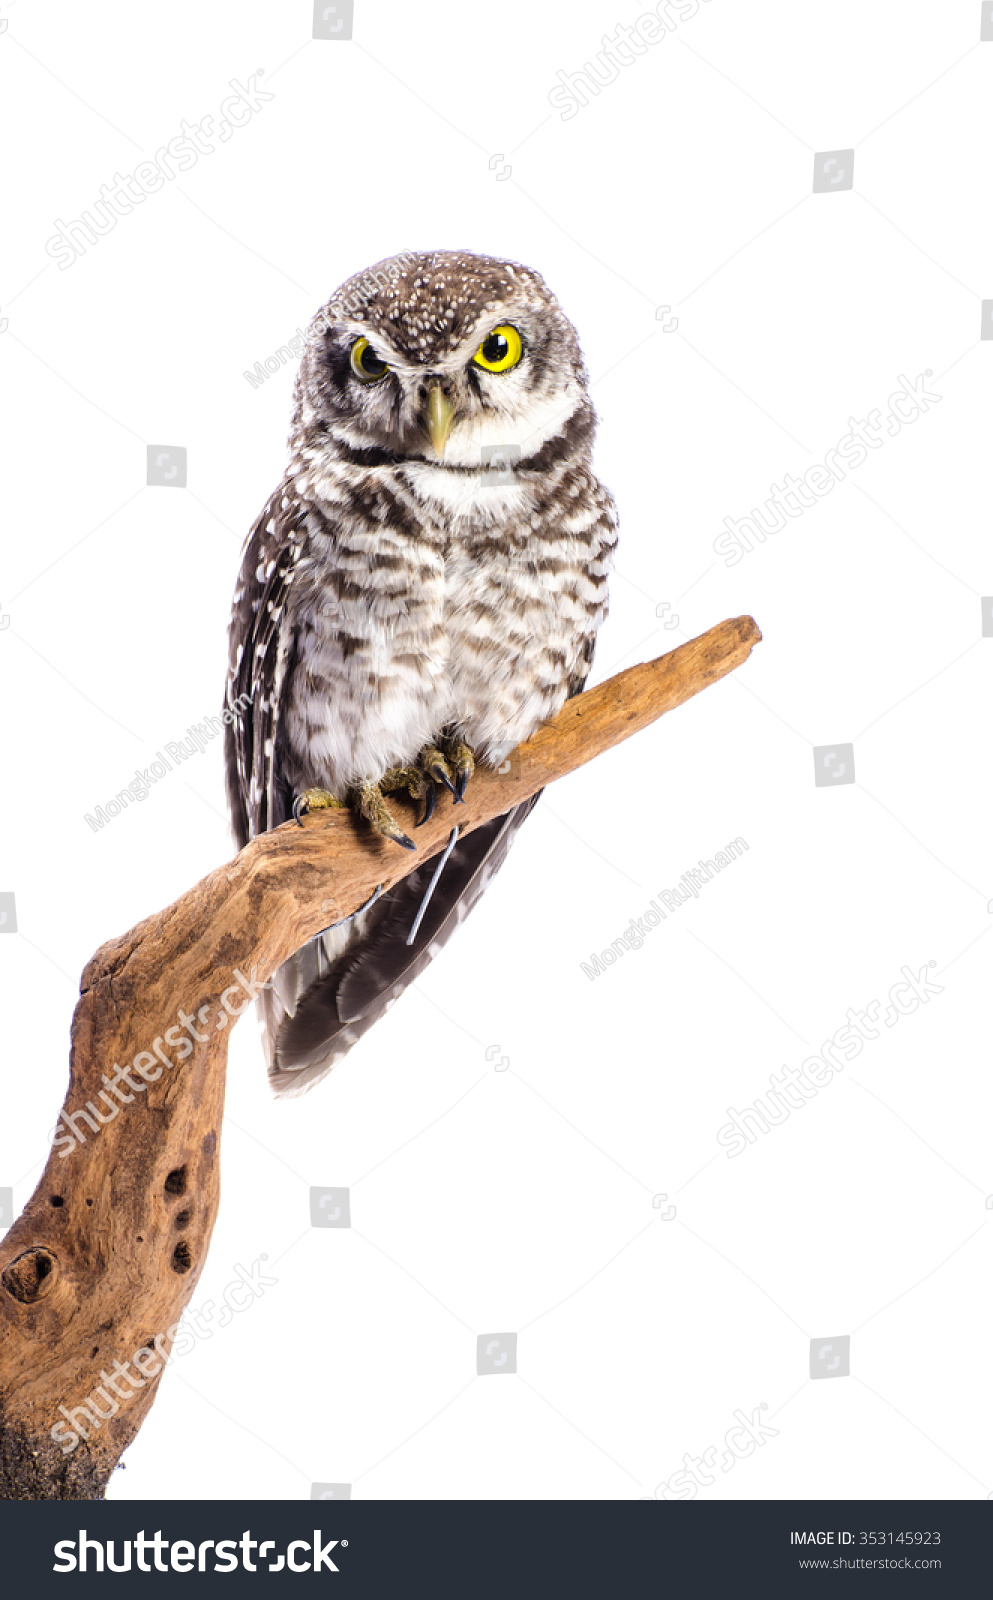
(397, 836)
(314, 800)
(429, 805)
(417, 784)
(462, 764)
(371, 805)
(433, 762)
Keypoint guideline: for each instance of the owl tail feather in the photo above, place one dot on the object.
(332, 991)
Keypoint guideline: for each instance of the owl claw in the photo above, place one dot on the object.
(417, 784)
(436, 767)
(314, 800)
(429, 804)
(370, 804)
(463, 763)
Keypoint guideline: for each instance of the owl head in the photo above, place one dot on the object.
(432, 357)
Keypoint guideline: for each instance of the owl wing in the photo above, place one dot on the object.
(337, 987)
(259, 663)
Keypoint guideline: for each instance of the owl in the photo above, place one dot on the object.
(422, 592)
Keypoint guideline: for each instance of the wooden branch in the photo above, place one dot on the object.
(108, 1250)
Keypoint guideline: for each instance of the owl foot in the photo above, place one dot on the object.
(314, 800)
(433, 761)
(463, 765)
(416, 781)
(450, 763)
(369, 803)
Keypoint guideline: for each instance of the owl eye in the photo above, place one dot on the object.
(501, 351)
(366, 365)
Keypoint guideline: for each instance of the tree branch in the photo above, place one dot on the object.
(108, 1250)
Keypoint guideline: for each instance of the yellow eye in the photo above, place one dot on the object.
(366, 365)
(501, 351)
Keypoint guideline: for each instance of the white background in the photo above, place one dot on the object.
(521, 1200)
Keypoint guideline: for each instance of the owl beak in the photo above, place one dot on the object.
(439, 415)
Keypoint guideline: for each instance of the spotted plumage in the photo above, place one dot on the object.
(401, 590)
